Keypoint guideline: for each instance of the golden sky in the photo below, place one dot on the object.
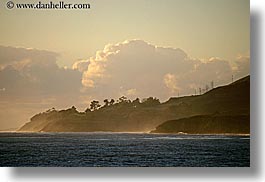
(203, 28)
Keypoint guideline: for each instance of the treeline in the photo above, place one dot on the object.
(121, 102)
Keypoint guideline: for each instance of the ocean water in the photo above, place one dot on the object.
(123, 150)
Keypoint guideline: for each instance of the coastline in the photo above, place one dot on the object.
(149, 133)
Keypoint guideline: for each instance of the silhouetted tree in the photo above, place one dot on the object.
(106, 101)
(73, 108)
(94, 105)
(111, 102)
(123, 99)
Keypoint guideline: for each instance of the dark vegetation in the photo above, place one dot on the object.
(224, 109)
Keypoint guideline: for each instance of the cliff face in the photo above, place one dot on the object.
(232, 100)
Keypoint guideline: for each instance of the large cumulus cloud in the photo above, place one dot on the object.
(138, 69)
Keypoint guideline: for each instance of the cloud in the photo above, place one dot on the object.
(170, 81)
(242, 66)
(81, 65)
(214, 69)
(134, 64)
(35, 72)
(31, 81)
(133, 68)
(153, 71)
(131, 92)
(13, 55)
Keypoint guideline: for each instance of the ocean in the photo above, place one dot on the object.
(122, 150)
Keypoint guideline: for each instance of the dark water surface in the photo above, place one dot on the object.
(123, 149)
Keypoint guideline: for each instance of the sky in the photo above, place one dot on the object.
(137, 48)
(203, 28)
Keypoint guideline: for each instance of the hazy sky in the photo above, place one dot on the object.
(136, 48)
(203, 28)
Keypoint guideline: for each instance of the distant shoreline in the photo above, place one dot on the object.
(99, 132)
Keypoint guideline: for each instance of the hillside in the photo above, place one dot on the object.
(207, 124)
(134, 116)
